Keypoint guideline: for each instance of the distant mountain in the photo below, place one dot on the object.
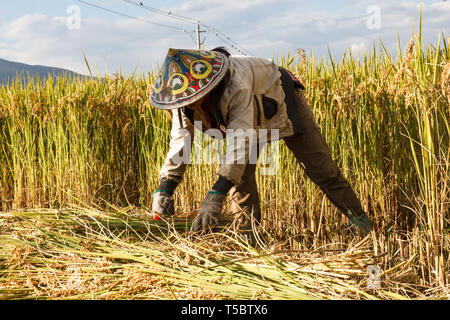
(9, 70)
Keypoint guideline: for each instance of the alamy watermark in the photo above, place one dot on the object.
(73, 21)
(232, 146)
(374, 17)
(74, 279)
(374, 280)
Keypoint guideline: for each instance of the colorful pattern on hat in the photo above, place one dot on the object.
(186, 76)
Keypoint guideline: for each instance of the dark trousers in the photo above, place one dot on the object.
(311, 150)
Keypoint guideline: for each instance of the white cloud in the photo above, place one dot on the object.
(264, 27)
(39, 39)
(358, 48)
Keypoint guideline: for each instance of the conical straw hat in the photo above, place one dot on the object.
(186, 76)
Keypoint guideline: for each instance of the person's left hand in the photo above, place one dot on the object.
(209, 213)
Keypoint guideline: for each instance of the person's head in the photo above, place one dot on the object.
(197, 104)
(222, 50)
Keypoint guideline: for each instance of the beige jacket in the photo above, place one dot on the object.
(254, 83)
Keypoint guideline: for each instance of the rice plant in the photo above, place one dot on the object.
(99, 142)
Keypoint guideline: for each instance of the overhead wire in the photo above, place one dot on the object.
(140, 4)
(220, 35)
(223, 37)
(131, 17)
(226, 39)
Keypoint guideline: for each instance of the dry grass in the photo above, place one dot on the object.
(82, 253)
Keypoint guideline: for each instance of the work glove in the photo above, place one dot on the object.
(362, 222)
(209, 214)
(163, 203)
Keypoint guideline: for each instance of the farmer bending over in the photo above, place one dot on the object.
(223, 92)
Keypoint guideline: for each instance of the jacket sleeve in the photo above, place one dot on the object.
(241, 136)
(179, 155)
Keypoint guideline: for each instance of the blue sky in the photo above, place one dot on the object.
(37, 32)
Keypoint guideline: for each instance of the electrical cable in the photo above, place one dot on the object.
(223, 37)
(164, 13)
(131, 17)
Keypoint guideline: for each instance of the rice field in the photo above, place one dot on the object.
(79, 160)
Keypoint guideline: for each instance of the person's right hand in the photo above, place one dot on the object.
(163, 203)
(209, 214)
(363, 223)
